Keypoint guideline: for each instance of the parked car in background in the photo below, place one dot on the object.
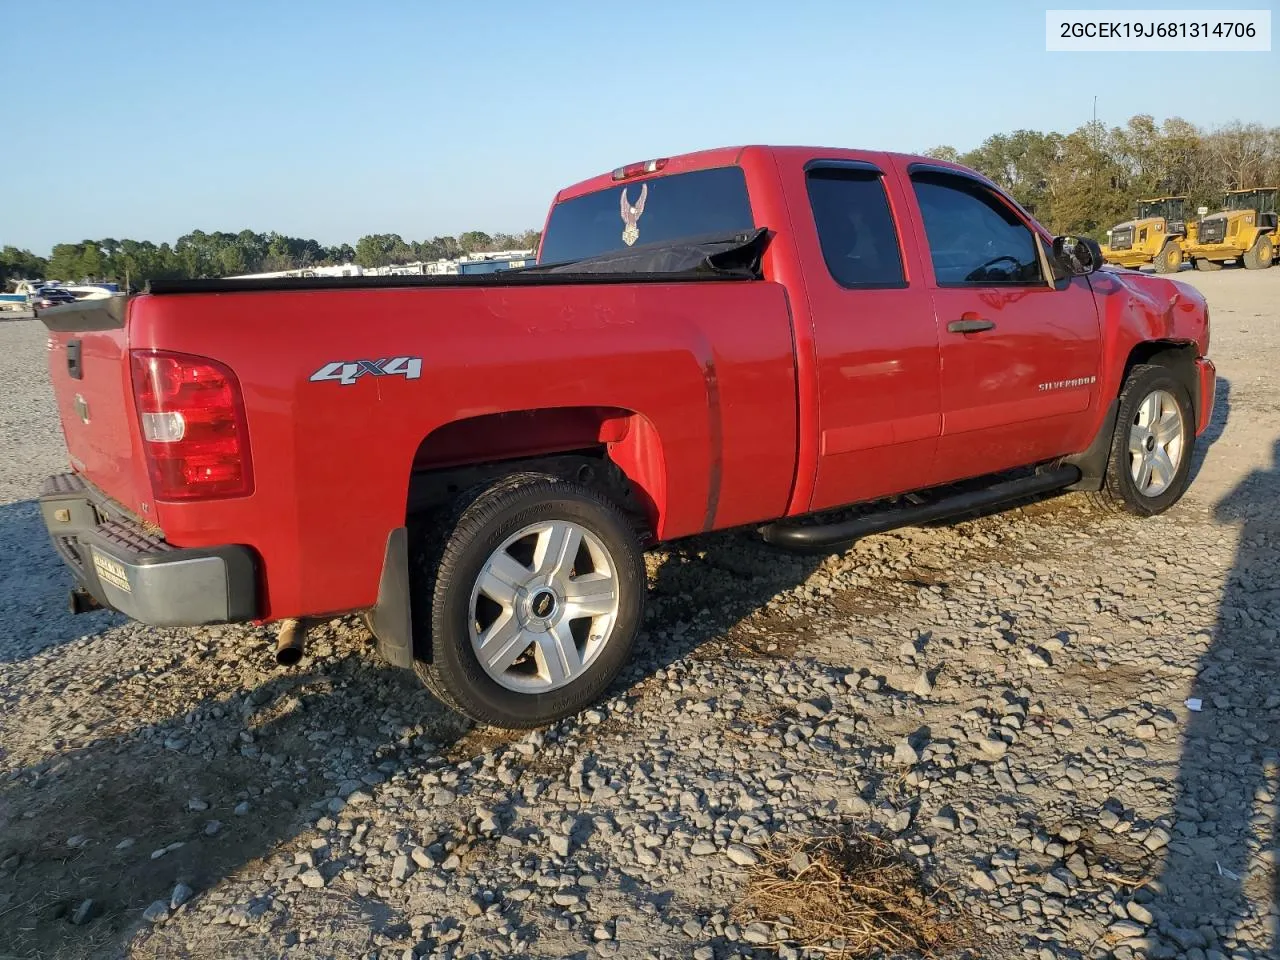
(51, 296)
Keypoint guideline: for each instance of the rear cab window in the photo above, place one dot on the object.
(855, 226)
(663, 209)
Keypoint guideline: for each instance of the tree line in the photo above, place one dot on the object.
(1080, 182)
(1086, 181)
(199, 255)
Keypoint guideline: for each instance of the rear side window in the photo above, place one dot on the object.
(855, 228)
(659, 210)
(974, 238)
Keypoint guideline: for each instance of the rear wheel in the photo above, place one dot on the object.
(534, 589)
(1260, 255)
(1207, 265)
(1169, 259)
(1149, 467)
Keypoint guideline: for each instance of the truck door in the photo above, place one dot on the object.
(875, 338)
(1020, 356)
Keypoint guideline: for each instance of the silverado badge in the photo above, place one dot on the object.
(631, 215)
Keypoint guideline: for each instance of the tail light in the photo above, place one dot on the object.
(193, 426)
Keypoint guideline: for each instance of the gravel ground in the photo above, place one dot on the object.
(1004, 700)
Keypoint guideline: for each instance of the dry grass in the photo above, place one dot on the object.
(851, 896)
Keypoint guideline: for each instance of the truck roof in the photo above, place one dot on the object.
(729, 156)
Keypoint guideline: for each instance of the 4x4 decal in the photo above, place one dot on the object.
(347, 372)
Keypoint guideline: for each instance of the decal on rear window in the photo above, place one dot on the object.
(631, 215)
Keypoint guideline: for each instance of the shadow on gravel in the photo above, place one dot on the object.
(1221, 868)
(33, 588)
(123, 820)
(706, 587)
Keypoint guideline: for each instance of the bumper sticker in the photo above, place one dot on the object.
(111, 571)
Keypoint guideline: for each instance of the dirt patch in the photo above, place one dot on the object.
(851, 896)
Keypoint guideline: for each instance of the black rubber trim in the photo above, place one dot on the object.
(860, 166)
(391, 619)
(827, 535)
(504, 278)
(1092, 463)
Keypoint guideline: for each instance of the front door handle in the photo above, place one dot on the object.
(970, 326)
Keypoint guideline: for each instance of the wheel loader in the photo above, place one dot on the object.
(1154, 236)
(1245, 229)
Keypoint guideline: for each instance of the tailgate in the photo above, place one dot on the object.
(89, 368)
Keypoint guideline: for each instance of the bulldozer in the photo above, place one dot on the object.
(1154, 236)
(1245, 229)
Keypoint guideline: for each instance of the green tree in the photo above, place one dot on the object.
(18, 264)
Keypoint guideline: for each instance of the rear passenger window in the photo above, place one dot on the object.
(855, 228)
(974, 238)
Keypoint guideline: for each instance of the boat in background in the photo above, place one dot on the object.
(92, 291)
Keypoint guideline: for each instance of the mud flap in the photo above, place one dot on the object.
(391, 619)
(1093, 461)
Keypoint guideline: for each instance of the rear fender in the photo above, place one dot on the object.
(561, 441)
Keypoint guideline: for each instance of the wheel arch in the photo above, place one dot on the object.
(1179, 357)
(613, 448)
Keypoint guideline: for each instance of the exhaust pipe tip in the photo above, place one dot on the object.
(288, 657)
(290, 642)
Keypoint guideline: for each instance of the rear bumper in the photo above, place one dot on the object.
(138, 573)
(1208, 375)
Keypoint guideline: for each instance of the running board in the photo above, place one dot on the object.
(816, 537)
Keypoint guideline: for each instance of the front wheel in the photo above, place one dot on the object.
(1149, 467)
(535, 591)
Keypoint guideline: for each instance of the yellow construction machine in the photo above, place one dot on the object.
(1244, 229)
(1154, 236)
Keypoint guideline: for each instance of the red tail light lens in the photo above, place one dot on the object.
(193, 426)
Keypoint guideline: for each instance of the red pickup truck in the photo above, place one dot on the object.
(744, 336)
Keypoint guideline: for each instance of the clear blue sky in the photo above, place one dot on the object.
(332, 120)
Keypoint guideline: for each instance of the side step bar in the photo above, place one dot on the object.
(816, 537)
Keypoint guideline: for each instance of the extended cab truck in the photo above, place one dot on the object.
(743, 336)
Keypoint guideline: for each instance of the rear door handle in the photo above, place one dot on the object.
(970, 326)
(74, 368)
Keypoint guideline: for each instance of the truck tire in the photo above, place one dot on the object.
(1260, 255)
(1169, 259)
(533, 589)
(1149, 467)
(1207, 266)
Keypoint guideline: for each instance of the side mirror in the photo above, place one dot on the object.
(1076, 256)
